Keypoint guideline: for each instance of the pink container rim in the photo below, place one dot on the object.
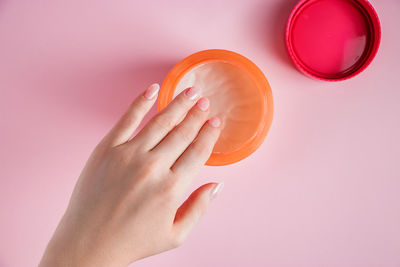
(371, 49)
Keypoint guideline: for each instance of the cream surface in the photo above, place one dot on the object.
(234, 98)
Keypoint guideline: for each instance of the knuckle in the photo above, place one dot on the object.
(129, 119)
(145, 169)
(154, 161)
(181, 100)
(149, 165)
(201, 147)
(165, 121)
(196, 115)
(185, 133)
(101, 149)
(121, 157)
(169, 190)
(140, 105)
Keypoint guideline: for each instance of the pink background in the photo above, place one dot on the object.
(323, 189)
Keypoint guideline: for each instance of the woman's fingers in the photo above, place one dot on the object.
(183, 135)
(128, 123)
(192, 209)
(196, 155)
(159, 126)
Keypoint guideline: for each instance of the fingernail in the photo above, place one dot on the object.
(151, 91)
(214, 122)
(217, 190)
(192, 93)
(203, 103)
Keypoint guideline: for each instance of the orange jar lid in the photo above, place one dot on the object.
(239, 94)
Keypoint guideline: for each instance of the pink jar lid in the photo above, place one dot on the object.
(333, 40)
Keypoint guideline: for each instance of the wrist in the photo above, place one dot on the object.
(69, 251)
(64, 253)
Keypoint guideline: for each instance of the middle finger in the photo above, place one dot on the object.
(162, 123)
(176, 142)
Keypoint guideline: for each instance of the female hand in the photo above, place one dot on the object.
(127, 203)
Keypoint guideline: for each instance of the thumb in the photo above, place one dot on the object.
(193, 208)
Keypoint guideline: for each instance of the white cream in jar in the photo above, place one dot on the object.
(234, 98)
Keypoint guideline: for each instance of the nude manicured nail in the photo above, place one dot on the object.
(203, 103)
(214, 122)
(217, 190)
(151, 91)
(192, 93)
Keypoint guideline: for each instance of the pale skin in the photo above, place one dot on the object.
(129, 203)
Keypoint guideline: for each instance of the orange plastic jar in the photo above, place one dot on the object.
(239, 94)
